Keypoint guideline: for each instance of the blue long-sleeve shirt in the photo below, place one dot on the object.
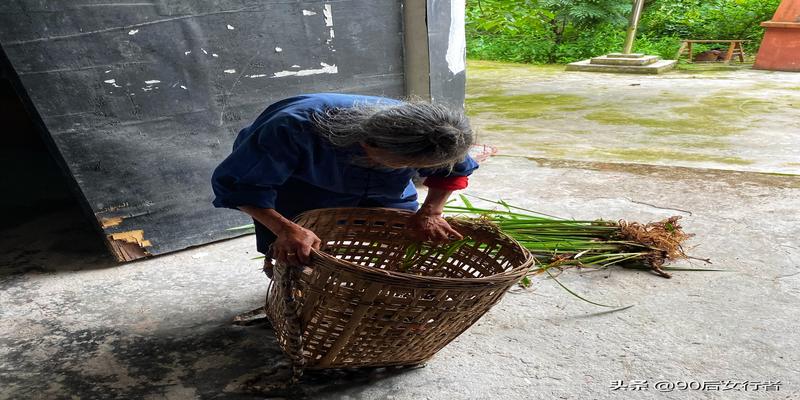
(280, 162)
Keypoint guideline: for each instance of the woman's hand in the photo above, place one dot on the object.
(293, 245)
(429, 225)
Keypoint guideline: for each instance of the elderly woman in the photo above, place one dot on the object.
(337, 150)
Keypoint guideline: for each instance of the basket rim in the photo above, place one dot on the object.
(377, 274)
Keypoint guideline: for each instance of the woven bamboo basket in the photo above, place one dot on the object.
(362, 304)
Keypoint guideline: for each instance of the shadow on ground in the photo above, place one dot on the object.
(224, 361)
(86, 337)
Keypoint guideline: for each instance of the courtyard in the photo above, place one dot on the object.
(717, 147)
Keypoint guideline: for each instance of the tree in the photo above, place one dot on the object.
(568, 30)
(582, 14)
(537, 17)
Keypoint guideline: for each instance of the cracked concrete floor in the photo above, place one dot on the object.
(75, 325)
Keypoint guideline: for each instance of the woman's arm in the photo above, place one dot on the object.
(247, 180)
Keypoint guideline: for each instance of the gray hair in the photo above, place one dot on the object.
(417, 131)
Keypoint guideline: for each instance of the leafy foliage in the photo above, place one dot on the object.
(587, 12)
(547, 31)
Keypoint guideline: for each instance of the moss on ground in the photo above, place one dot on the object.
(505, 67)
(488, 78)
(699, 144)
(678, 125)
(719, 114)
(525, 106)
(619, 117)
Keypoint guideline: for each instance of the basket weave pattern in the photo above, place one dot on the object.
(361, 303)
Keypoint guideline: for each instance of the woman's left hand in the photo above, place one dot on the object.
(432, 226)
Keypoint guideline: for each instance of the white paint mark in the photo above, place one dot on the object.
(108, 71)
(133, 32)
(326, 69)
(457, 41)
(215, 55)
(204, 50)
(112, 82)
(199, 255)
(257, 76)
(174, 84)
(187, 52)
(295, 66)
(184, 87)
(327, 12)
(278, 49)
(309, 12)
(230, 71)
(153, 82)
(230, 28)
(147, 89)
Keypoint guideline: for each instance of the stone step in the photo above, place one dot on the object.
(607, 60)
(654, 68)
(623, 55)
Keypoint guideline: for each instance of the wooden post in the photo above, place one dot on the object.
(681, 50)
(636, 13)
(741, 52)
(729, 54)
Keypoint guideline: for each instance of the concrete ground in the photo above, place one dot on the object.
(733, 118)
(75, 325)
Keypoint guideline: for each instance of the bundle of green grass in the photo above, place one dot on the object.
(558, 243)
(561, 243)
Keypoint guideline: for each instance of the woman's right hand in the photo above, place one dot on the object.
(293, 245)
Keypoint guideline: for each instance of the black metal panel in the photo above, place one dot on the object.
(143, 100)
(446, 48)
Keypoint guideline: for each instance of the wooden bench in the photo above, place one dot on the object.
(734, 49)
